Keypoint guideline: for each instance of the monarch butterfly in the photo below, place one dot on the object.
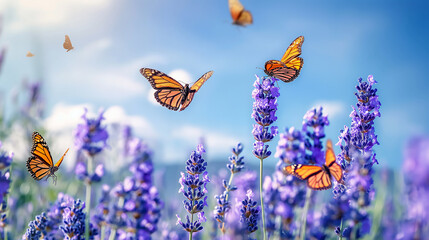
(288, 68)
(67, 44)
(170, 93)
(239, 15)
(318, 178)
(40, 164)
(29, 54)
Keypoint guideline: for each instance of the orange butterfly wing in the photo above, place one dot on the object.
(316, 176)
(319, 181)
(334, 168)
(195, 87)
(169, 98)
(279, 70)
(67, 43)
(239, 15)
(290, 58)
(40, 164)
(169, 91)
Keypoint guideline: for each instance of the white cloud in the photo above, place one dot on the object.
(141, 127)
(217, 143)
(93, 49)
(119, 82)
(64, 118)
(181, 75)
(46, 13)
(331, 108)
(151, 97)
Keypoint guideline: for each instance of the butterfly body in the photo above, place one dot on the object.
(289, 67)
(318, 177)
(40, 164)
(170, 93)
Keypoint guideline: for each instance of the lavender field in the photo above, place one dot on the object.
(250, 157)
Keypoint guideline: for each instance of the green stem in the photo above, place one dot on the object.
(226, 198)
(88, 198)
(341, 230)
(113, 230)
(304, 214)
(103, 229)
(261, 168)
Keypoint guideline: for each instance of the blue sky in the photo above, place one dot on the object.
(114, 39)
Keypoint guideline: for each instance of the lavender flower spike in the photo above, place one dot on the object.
(194, 189)
(235, 166)
(264, 113)
(250, 212)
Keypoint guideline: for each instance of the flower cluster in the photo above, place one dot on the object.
(194, 189)
(235, 165)
(37, 228)
(82, 174)
(74, 222)
(313, 127)
(132, 208)
(285, 193)
(250, 212)
(65, 219)
(91, 136)
(416, 176)
(265, 95)
(356, 159)
(5, 162)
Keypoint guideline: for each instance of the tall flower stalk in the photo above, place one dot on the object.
(90, 138)
(348, 211)
(235, 166)
(194, 189)
(265, 95)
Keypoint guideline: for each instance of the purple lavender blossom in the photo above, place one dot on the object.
(34, 107)
(223, 204)
(194, 189)
(5, 159)
(91, 136)
(5, 162)
(264, 113)
(250, 212)
(356, 159)
(313, 127)
(133, 207)
(284, 193)
(37, 228)
(416, 171)
(74, 222)
(63, 220)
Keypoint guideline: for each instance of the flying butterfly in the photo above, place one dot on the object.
(67, 43)
(288, 68)
(169, 92)
(318, 178)
(29, 54)
(239, 15)
(40, 164)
